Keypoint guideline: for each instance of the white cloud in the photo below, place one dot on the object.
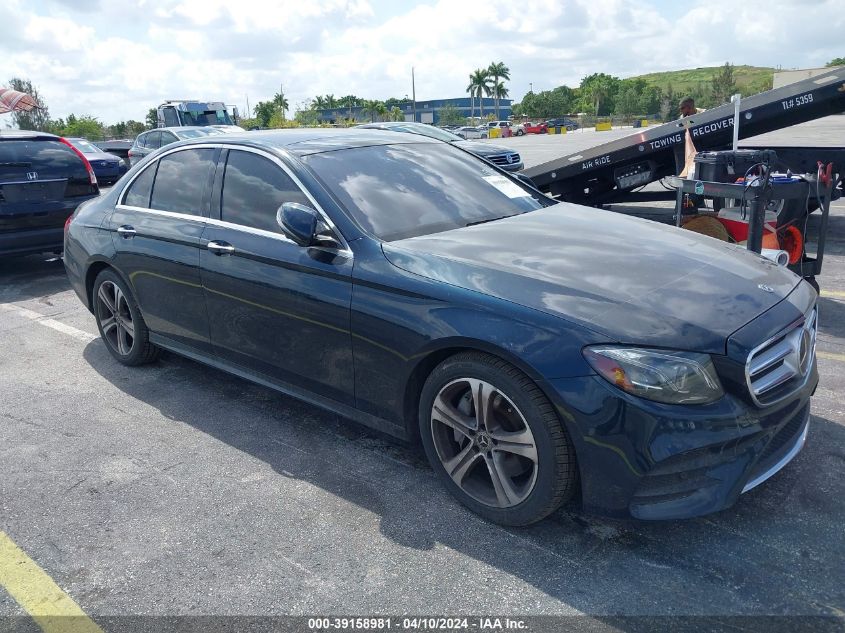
(116, 60)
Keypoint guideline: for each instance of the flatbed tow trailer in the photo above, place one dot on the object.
(615, 172)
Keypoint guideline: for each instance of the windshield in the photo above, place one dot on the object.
(86, 147)
(196, 133)
(400, 191)
(208, 117)
(425, 130)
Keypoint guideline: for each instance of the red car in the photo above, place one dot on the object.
(531, 128)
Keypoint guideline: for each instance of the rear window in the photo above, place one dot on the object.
(47, 158)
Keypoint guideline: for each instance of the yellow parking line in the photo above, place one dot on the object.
(831, 356)
(51, 608)
(837, 294)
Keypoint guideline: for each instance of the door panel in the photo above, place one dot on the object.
(157, 250)
(280, 309)
(274, 307)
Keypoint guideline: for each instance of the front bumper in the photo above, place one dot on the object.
(652, 461)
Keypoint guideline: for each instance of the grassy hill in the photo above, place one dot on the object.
(749, 79)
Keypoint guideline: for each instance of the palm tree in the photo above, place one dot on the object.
(381, 109)
(374, 108)
(349, 101)
(331, 102)
(319, 102)
(480, 79)
(498, 70)
(281, 102)
(471, 91)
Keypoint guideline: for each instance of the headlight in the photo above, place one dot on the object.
(660, 375)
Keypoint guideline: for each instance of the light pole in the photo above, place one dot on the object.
(531, 87)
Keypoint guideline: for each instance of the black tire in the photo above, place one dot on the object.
(520, 132)
(553, 472)
(128, 349)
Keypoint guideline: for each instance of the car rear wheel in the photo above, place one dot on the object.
(520, 132)
(495, 441)
(120, 322)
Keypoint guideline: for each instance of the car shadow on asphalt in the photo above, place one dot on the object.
(34, 277)
(776, 551)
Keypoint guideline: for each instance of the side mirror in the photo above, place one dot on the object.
(299, 222)
(304, 226)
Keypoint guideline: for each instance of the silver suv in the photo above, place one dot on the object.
(147, 142)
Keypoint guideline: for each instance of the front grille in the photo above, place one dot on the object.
(779, 366)
(502, 159)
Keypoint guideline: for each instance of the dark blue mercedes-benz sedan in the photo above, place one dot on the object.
(536, 349)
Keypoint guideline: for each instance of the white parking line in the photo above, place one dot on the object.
(48, 322)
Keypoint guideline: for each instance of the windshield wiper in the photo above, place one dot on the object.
(501, 217)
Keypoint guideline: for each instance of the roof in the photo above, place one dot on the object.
(18, 134)
(306, 141)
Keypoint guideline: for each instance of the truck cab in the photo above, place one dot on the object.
(196, 113)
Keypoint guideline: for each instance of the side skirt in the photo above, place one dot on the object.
(379, 424)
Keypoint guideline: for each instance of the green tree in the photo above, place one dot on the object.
(450, 115)
(117, 130)
(480, 81)
(331, 102)
(264, 111)
(134, 128)
(349, 102)
(35, 119)
(396, 114)
(723, 85)
(836, 61)
(668, 107)
(598, 91)
(498, 70)
(152, 118)
(84, 126)
(320, 102)
(281, 104)
(373, 107)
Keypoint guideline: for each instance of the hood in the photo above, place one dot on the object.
(483, 149)
(632, 280)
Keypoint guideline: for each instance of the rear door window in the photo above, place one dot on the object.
(253, 190)
(167, 138)
(154, 140)
(138, 194)
(182, 180)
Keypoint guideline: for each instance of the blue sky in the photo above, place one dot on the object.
(115, 60)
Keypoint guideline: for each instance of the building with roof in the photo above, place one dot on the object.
(427, 111)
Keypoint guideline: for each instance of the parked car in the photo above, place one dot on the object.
(569, 124)
(531, 128)
(503, 157)
(108, 167)
(43, 179)
(469, 132)
(147, 142)
(117, 147)
(537, 349)
(506, 127)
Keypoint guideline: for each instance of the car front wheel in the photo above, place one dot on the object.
(495, 441)
(120, 322)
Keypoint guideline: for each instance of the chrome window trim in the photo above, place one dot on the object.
(811, 316)
(344, 250)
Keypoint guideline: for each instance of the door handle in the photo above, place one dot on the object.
(126, 231)
(220, 248)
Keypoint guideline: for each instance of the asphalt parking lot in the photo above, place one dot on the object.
(174, 489)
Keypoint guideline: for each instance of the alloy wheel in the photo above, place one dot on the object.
(115, 318)
(484, 443)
